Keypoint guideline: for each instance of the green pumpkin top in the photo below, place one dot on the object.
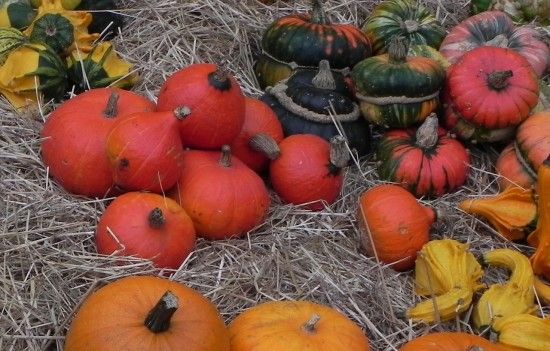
(402, 18)
(306, 39)
(398, 77)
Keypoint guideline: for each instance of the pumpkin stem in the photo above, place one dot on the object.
(312, 323)
(158, 319)
(219, 79)
(499, 41)
(410, 25)
(111, 109)
(498, 80)
(426, 135)
(156, 218)
(397, 49)
(266, 145)
(324, 78)
(181, 112)
(225, 159)
(339, 156)
(318, 15)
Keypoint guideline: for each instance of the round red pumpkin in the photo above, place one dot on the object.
(145, 150)
(492, 87)
(74, 137)
(259, 120)
(148, 226)
(307, 172)
(394, 225)
(495, 28)
(223, 197)
(215, 100)
(426, 160)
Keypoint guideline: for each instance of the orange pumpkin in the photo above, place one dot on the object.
(533, 139)
(74, 137)
(452, 341)
(146, 225)
(145, 150)
(295, 325)
(215, 100)
(147, 313)
(394, 225)
(309, 170)
(221, 194)
(259, 120)
(512, 170)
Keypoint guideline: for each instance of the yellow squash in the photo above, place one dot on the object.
(525, 331)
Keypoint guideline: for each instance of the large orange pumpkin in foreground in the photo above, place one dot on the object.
(74, 137)
(394, 225)
(145, 313)
(449, 341)
(295, 325)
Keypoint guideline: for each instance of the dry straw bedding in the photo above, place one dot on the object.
(48, 261)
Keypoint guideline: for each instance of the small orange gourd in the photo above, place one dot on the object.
(394, 225)
(147, 313)
(540, 238)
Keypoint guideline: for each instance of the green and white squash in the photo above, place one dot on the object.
(18, 14)
(54, 30)
(10, 39)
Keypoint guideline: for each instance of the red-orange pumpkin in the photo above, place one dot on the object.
(533, 139)
(215, 100)
(308, 171)
(259, 120)
(148, 226)
(512, 170)
(145, 150)
(394, 225)
(221, 194)
(493, 87)
(74, 136)
(452, 341)
(425, 160)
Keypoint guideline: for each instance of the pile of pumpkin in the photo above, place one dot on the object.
(49, 48)
(192, 165)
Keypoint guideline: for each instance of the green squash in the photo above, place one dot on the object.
(402, 18)
(53, 30)
(301, 41)
(429, 52)
(17, 14)
(10, 39)
(310, 102)
(395, 90)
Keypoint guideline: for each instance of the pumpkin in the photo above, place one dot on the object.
(402, 18)
(492, 87)
(223, 197)
(260, 122)
(451, 341)
(146, 312)
(32, 72)
(303, 40)
(425, 160)
(148, 226)
(511, 212)
(468, 131)
(75, 134)
(512, 171)
(522, 11)
(10, 39)
(215, 100)
(99, 69)
(320, 103)
(496, 29)
(16, 14)
(154, 165)
(300, 325)
(309, 170)
(533, 139)
(105, 18)
(56, 30)
(540, 238)
(395, 90)
(394, 226)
